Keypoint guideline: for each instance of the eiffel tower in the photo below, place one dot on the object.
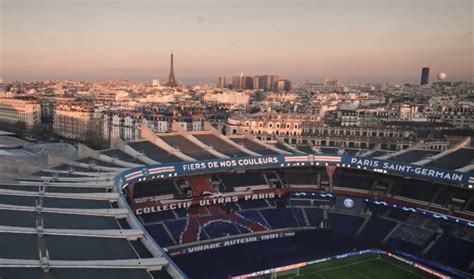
(172, 80)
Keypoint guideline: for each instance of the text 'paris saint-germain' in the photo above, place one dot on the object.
(405, 168)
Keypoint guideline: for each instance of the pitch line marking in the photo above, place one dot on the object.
(340, 266)
(417, 275)
(358, 272)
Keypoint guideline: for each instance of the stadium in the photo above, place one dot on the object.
(207, 205)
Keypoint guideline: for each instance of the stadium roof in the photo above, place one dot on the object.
(71, 222)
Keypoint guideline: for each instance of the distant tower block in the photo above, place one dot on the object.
(221, 82)
(172, 80)
(425, 75)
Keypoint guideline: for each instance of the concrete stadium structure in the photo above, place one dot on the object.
(77, 219)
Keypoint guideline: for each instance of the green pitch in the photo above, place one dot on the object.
(365, 266)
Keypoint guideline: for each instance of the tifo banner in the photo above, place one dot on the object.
(228, 242)
(230, 163)
(282, 161)
(165, 205)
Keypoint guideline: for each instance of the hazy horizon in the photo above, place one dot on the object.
(355, 41)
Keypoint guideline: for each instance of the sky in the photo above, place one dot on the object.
(353, 40)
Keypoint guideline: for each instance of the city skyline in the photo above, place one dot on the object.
(365, 41)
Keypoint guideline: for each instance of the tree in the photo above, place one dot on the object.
(42, 131)
(94, 137)
(19, 128)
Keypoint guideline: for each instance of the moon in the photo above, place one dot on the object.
(442, 76)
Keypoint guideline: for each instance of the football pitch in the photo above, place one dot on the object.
(363, 266)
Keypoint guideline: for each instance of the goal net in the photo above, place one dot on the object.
(278, 273)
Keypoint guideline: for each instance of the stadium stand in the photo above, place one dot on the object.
(155, 188)
(455, 160)
(413, 235)
(345, 225)
(351, 179)
(176, 227)
(283, 147)
(414, 155)
(252, 204)
(305, 148)
(159, 216)
(388, 228)
(300, 202)
(453, 251)
(159, 233)
(299, 215)
(187, 147)
(232, 181)
(398, 214)
(414, 189)
(153, 152)
(117, 154)
(379, 153)
(328, 150)
(255, 217)
(253, 146)
(199, 184)
(300, 177)
(377, 210)
(376, 229)
(315, 215)
(220, 228)
(352, 151)
(220, 145)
